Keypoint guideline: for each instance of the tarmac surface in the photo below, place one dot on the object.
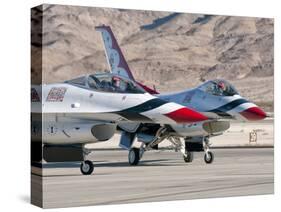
(160, 176)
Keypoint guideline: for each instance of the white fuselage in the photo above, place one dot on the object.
(71, 114)
(216, 107)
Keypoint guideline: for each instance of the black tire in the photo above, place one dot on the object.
(209, 158)
(134, 156)
(188, 158)
(87, 167)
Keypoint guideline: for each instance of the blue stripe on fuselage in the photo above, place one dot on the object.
(229, 106)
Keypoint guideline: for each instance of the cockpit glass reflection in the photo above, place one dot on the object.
(107, 83)
(219, 88)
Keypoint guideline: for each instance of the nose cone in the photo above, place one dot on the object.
(253, 114)
(186, 115)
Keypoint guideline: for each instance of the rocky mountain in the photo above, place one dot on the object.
(172, 51)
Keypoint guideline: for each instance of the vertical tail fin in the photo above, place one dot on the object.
(114, 55)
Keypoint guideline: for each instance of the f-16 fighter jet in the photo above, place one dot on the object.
(216, 99)
(88, 109)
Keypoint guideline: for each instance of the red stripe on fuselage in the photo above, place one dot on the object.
(253, 114)
(185, 115)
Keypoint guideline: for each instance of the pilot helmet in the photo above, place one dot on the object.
(116, 81)
(221, 85)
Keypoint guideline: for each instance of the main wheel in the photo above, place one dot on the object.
(134, 156)
(209, 157)
(188, 158)
(87, 167)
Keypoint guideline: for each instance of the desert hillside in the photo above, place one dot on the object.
(172, 51)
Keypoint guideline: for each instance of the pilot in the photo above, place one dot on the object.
(116, 83)
(221, 87)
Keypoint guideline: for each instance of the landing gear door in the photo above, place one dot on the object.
(127, 140)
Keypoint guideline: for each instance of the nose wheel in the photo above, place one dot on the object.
(87, 167)
(209, 156)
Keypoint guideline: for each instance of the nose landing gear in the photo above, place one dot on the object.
(87, 167)
(209, 156)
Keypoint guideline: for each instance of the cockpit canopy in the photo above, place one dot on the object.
(107, 82)
(218, 87)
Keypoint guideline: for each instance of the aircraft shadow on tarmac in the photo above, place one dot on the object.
(106, 164)
(142, 163)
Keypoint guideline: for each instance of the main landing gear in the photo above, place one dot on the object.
(188, 157)
(134, 156)
(187, 148)
(180, 146)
